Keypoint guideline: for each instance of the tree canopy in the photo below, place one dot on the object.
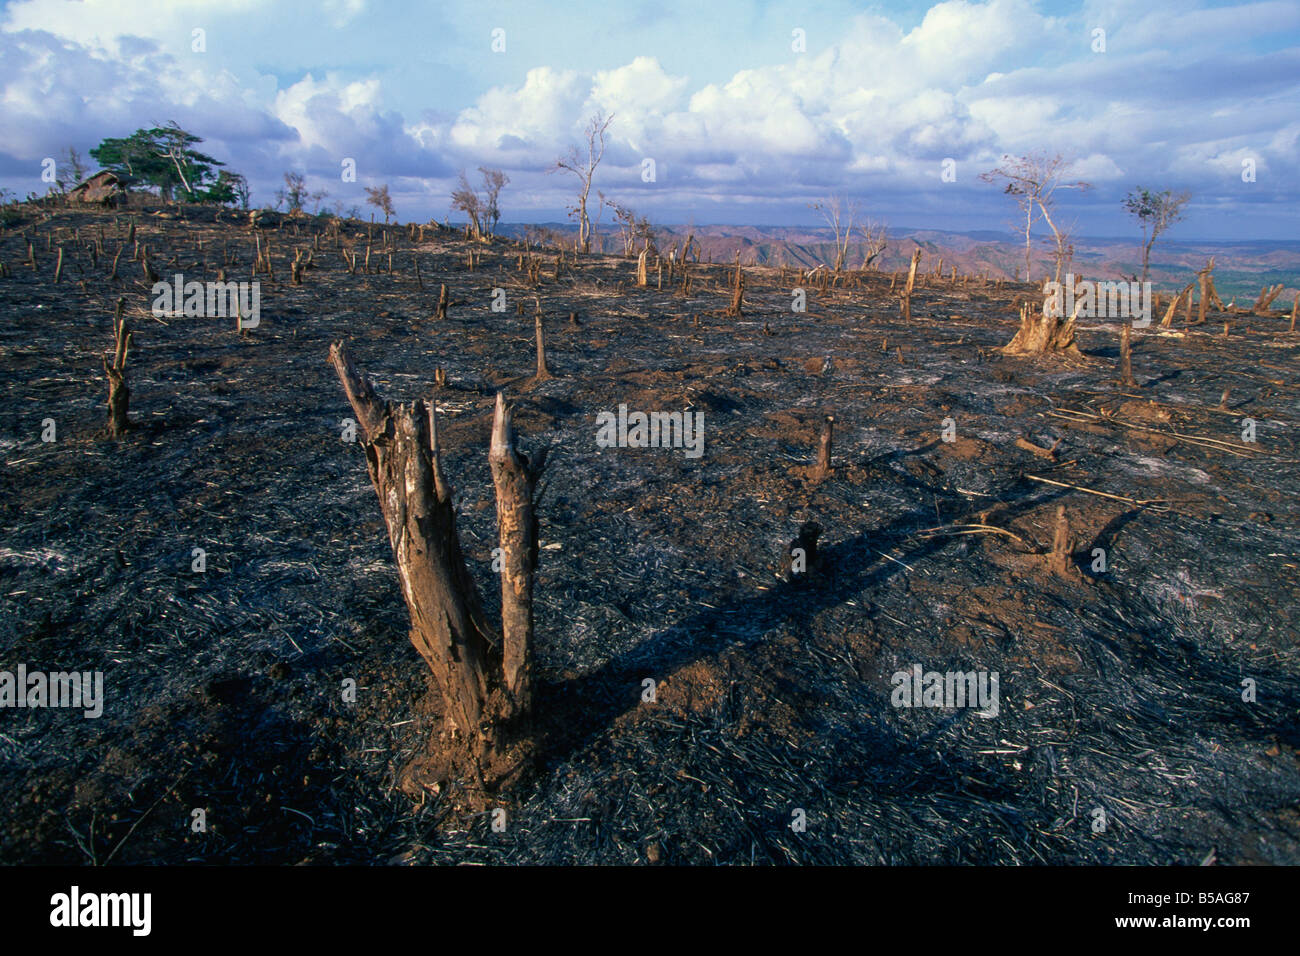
(164, 158)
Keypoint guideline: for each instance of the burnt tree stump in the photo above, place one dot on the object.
(119, 395)
(484, 675)
(1042, 332)
(1126, 354)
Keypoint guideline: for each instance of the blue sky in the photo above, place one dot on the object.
(742, 127)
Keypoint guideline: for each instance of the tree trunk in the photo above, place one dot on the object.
(1126, 354)
(1043, 332)
(911, 283)
(486, 689)
(823, 467)
(119, 396)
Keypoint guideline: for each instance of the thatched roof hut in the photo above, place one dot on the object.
(104, 188)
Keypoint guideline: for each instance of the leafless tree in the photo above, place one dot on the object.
(378, 197)
(71, 170)
(466, 200)
(839, 215)
(875, 238)
(585, 170)
(483, 208)
(633, 230)
(1032, 180)
(1062, 246)
(294, 193)
(494, 180)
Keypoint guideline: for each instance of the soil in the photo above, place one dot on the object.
(1124, 732)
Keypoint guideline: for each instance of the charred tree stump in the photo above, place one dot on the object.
(911, 284)
(1043, 332)
(1061, 558)
(543, 373)
(641, 277)
(119, 395)
(1208, 294)
(735, 309)
(443, 302)
(484, 675)
(1126, 354)
(1167, 321)
(823, 466)
(1261, 307)
(515, 478)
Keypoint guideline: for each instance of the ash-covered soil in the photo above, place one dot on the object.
(1120, 691)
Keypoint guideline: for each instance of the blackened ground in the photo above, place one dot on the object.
(1120, 691)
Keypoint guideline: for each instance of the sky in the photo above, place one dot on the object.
(743, 112)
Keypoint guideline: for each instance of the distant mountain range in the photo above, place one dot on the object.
(1241, 268)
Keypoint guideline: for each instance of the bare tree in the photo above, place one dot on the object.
(625, 217)
(71, 169)
(378, 197)
(483, 208)
(839, 215)
(585, 170)
(294, 193)
(631, 227)
(875, 238)
(494, 180)
(1062, 244)
(466, 200)
(1032, 180)
(1156, 212)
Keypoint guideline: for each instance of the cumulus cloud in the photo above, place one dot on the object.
(875, 110)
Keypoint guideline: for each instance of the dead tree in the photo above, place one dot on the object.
(585, 171)
(823, 467)
(119, 396)
(1208, 293)
(1261, 307)
(1167, 321)
(1032, 180)
(641, 277)
(735, 308)
(839, 215)
(1061, 558)
(911, 283)
(484, 674)
(875, 239)
(542, 372)
(1126, 354)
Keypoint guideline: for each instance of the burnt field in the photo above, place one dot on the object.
(1123, 732)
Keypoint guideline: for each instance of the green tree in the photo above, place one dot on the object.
(163, 158)
(229, 189)
(1156, 212)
